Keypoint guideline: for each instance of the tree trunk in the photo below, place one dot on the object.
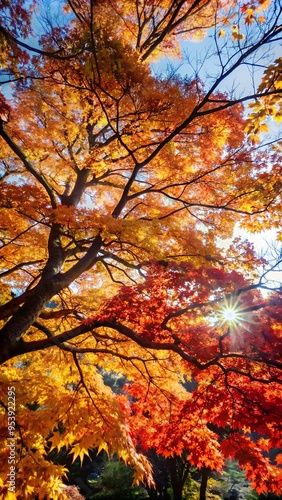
(51, 283)
(179, 471)
(13, 330)
(204, 483)
(177, 492)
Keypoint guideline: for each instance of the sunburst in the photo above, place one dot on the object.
(232, 312)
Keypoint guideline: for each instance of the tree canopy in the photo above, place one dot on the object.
(122, 182)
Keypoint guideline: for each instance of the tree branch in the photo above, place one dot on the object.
(52, 55)
(19, 153)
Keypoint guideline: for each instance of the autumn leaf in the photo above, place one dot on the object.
(79, 451)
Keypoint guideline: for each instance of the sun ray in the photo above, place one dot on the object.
(232, 312)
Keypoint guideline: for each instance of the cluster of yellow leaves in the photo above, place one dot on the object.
(251, 12)
(268, 105)
(75, 420)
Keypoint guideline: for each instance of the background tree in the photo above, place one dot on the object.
(116, 482)
(118, 187)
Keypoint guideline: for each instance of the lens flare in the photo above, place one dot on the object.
(232, 312)
(229, 314)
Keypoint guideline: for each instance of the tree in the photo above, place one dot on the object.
(117, 189)
(226, 413)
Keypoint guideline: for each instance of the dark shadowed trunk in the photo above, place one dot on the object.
(179, 470)
(204, 483)
(51, 283)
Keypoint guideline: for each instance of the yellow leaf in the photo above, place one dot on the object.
(10, 496)
(57, 441)
(254, 138)
(79, 451)
(278, 117)
(221, 33)
(102, 446)
(237, 36)
(264, 127)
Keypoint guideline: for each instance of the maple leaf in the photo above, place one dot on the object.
(79, 451)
